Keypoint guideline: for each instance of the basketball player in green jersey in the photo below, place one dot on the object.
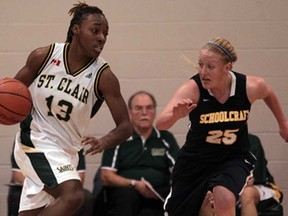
(68, 82)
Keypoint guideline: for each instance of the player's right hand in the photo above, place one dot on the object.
(183, 108)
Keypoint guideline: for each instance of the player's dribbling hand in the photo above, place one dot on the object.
(97, 146)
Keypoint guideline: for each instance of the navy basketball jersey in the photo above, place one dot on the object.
(219, 131)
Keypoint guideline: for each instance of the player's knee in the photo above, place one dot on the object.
(225, 201)
(78, 197)
(74, 199)
(249, 195)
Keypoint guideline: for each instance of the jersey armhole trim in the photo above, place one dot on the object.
(49, 54)
(98, 93)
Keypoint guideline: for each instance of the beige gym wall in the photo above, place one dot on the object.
(145, 49)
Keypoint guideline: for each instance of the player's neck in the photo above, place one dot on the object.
(223, 92)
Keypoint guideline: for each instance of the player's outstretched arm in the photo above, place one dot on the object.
(258, 88)
(182, 103)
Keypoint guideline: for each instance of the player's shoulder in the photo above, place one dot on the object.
(255, 80)
(40, 52)
(38, 56)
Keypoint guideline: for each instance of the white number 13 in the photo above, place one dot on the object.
(228, 137)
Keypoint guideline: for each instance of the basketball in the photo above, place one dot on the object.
(15, 101)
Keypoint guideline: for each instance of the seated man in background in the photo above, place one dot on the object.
(148, 154)
(16, 183)
(261, 196)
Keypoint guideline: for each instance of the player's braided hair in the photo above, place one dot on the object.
(80, 11)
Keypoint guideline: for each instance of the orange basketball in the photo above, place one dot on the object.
(15, 101)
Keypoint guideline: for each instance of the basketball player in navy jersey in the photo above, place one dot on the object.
(215, 156)
(68, 83)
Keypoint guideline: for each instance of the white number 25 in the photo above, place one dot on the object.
(228, 137)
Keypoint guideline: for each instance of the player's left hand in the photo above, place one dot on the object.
(97, 146)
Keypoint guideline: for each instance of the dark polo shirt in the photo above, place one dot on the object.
(151, 159)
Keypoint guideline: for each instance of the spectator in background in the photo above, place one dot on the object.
(148, 154)
(16, 183)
